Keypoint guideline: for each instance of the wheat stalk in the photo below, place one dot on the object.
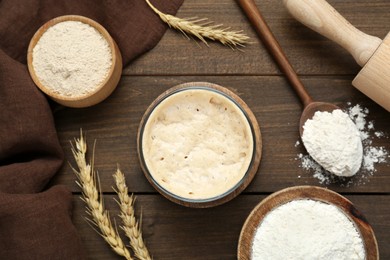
(88, 180)
(130, 224)
(202, 28)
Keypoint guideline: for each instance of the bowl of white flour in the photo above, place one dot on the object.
(74, 61)
(307, 222)
(199, 144)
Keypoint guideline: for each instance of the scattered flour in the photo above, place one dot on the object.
(372, 155)
(307, 229)
(333, 140)
(72, 58)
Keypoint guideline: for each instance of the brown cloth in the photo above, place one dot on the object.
(36, 223)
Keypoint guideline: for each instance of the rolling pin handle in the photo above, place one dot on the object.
(321, 17)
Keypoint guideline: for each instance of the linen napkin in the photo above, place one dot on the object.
(35, 222)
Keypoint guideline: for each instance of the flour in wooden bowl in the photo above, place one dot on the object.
(197, 144)
(72, 59)
(307, 229)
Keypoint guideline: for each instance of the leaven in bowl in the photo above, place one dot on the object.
(175, 134)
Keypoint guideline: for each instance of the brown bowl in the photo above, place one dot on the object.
(306, 192)
(102, 91)
(254, 161)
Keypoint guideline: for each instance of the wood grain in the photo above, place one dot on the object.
(174, 232)
(369, 52)
(271, 43)
(114, 125)
(255, 136)
(324, 19)
(374, 79)
(309, 53)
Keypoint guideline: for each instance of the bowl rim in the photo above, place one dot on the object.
(78, 18)
(256, 152)
(315, 193)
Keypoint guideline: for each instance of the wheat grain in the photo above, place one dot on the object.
(202, 28)
(130, 224)
(88, 180)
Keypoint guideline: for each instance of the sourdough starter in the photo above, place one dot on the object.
(197, 144)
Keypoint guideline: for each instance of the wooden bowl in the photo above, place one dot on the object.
(254, 162)
(306, 192)
(100, 92)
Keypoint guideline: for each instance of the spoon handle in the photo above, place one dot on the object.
(269, 40)
(324, 19)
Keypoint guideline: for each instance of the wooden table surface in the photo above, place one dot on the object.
(174, 232)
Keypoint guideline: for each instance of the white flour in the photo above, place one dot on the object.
(372, 155)
(307, 230)
(333, 140)
(72, 58)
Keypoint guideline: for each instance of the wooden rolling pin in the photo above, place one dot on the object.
(370, 52)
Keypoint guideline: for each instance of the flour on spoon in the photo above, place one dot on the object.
(333, 140)
(372, 155)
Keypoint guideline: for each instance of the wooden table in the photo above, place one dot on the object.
(175, 232)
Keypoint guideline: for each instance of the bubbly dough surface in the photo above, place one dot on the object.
(197, 144)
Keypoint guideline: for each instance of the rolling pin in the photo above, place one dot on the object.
(371, 53)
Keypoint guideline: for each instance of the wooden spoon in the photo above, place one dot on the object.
(269, 40)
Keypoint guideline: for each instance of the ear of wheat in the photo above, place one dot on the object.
(88, 180)
(202, 29)
(130, 224)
